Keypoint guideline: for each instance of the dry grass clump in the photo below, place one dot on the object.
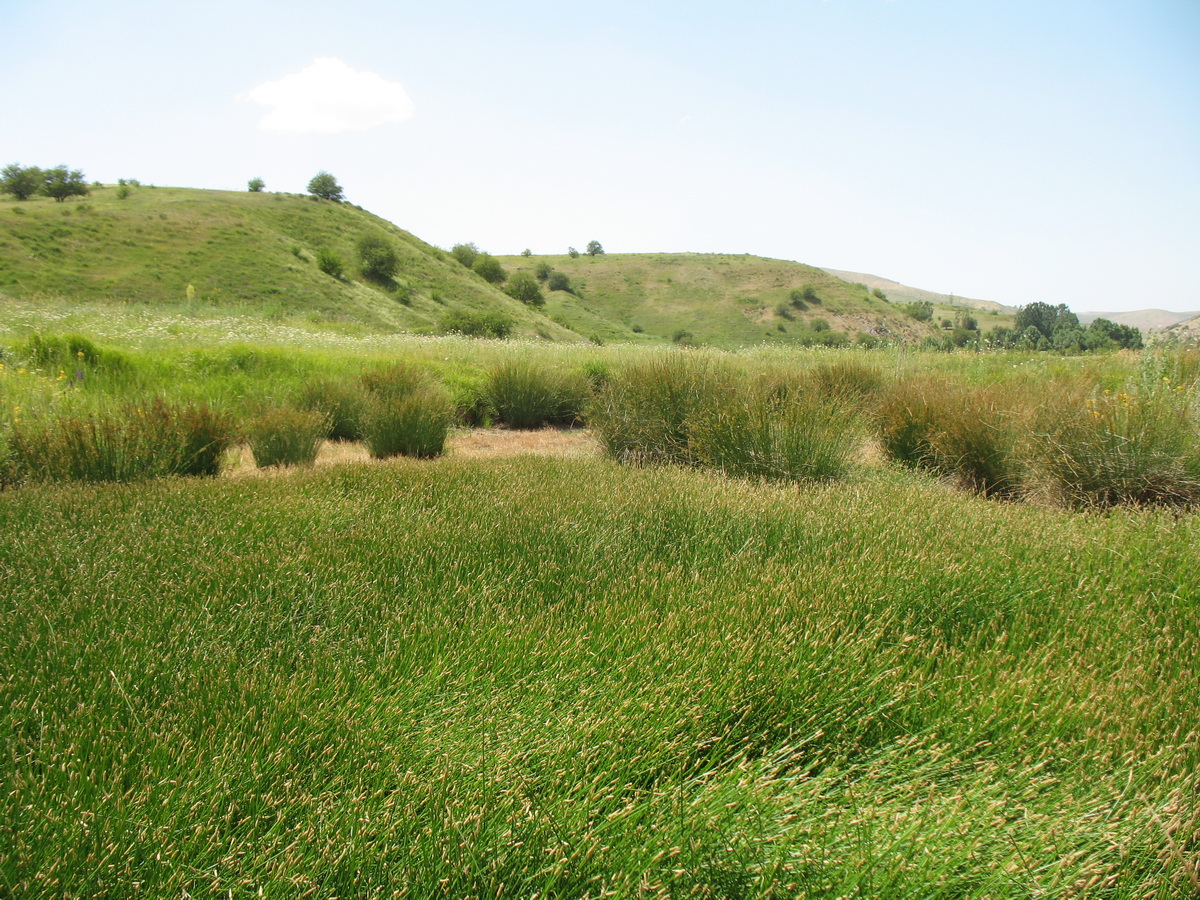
(122, 443)
(286, 437)
(1136, 446)
(968, 434)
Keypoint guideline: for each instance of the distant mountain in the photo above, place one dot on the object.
(1145, 319)
(902, 293)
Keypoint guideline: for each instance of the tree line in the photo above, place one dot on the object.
(59, 182)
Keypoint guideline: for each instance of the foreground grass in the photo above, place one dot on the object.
(567, 678)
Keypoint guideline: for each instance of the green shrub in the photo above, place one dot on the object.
(524, 287)
(340, 401)
(412, 424)
(377, 258)
(489, 269)
(126, 443)
(286, 437)
(526, 394)
(329, 262)
(1136, 446)
(488, 323)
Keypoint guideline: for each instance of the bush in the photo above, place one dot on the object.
(412, 424)
(325, 187)
(921, 310)
(1136, 446)
(255, 185)
(524, 287)
(525, 394)
(286, 437)
(465, 254)
(126, 443)
(489, 269)
(329, 262)
(558, 281)
(377, 258)
(543, 270)
(489, 323)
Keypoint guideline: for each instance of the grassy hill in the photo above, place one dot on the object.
(717, 299)
(236, 250)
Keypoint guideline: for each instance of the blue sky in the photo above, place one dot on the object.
(1012, 151)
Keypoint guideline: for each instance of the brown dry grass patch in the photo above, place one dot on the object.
(474, 443)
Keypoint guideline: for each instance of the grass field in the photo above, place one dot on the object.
(548, 677)
(523, 669)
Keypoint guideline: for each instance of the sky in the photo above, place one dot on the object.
(1008, 150)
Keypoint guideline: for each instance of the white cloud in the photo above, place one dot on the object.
(328, 97)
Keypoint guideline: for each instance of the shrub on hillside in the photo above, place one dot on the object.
(286, 437)
(524, 287)
(526, 394)
(490, 323)
(489, 269)
(329, 262)
(377, 258)
(466, 254)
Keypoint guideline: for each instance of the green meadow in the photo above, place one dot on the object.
(786, 622)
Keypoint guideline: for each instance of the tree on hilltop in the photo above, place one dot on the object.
(20, 181)
(255, 185)
(325, 186)
(61, 183)
(594, 249)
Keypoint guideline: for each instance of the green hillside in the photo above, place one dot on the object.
(717, 299)
(236, 250)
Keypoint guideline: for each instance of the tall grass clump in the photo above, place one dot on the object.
(414, 424)
(125, 443)
(968, 434)
(1138, 446)
(747, 432)
(68, 351)
(279, 436)
(341, 401)
(847, 380)
(642, 412)
(523, 393)
(406, 413)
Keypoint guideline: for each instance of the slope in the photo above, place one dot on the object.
(717, 299)
(203, 249)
